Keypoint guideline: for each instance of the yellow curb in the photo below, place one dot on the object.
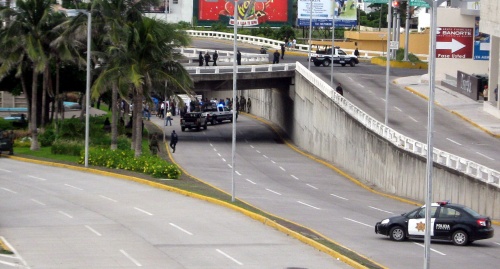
(408, 88)
(255, 216)
(4, 246)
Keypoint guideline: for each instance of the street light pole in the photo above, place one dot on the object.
(87, 90)
(310, 34)
(388, 61)
(235, 77)
(333, 42)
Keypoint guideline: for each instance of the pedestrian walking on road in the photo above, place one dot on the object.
(215, 57)
(169, 119)
(276, 57)
(249, 104)
(238, 57)
(339, 89)
(282, 50)
(200, 59)
(173, 140)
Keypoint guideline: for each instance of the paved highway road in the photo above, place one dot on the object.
(283, 182)
(60, 218)
(364, 86)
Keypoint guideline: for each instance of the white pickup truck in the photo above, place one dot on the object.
(324, 57)
(217, 113)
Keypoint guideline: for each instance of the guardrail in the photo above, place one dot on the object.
(275, 44)
(444, 158)
(239, 68)
(224, 55)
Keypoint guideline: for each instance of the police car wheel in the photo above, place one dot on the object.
(460, 238)
(397, 233)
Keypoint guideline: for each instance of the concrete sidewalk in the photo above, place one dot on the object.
(462, 106)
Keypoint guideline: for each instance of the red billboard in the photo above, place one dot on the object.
(454, 42)
(250, 12)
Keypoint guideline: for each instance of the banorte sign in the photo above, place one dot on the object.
(454, 42)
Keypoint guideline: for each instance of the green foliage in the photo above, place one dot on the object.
(47, 137)
(67, 147)
(24, 142)
(284, 32)
(183, 25)
(104, 141)
(5, 124)
(219, 27)
(124, 159)
(400, 55)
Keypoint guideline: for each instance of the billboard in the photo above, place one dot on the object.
(250, 12)
(481, 44)
(454, 42)
(322, 13)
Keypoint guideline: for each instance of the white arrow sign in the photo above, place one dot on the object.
(453, 45)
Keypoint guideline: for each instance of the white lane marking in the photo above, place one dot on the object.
(413, 119)
(9, 190)
(308, 205)
(251, 146)
(382, 99)
(358, 222)
(453, 141)
(107, 198)
(238, 173)
(219, 154)
(312, 186)
(282, 168)
(230, 166)
(265, 156)
(397, 108)
(250, 181)
(15, 252)
(496, 243)
(273, 161)
(258, 151)
(229, 257)
(294, 177)
(275, 192)
(441, 253)
(211, 145)
(71, 186)
(143, 211)
(360, 85)
(389, 212)
(485, 156)
(4, 170)
(39, 178)
(350, 78)
(173, 225)
(92, 230)
(215, 149)
(340, 197)
(8, 263)
(130, 257)
(38, 202)
(66, 214)
(224, 160)
(370, 91)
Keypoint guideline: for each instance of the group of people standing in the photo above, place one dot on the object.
(207, 58)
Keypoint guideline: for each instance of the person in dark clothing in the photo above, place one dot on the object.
(200, 59)
(282, 51)
(154, 147)
(339, 89)
(173, 140)
(276, 57)
(215, 57)
(356, 52)
(207, 58)
(238, 57)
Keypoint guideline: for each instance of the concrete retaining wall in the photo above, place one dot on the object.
(317, 125)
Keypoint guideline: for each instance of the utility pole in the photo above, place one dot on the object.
(407, 31)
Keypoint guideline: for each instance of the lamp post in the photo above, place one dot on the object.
(388, 62)
(310, 34)
(235, 77)
(333, 42)
(87, 89)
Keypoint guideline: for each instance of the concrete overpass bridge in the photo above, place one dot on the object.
(316, 118)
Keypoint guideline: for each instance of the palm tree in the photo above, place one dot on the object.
(26, 26)
(140, 54)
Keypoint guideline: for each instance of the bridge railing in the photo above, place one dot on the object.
(239, 68)
(444, 158)
(271, 43)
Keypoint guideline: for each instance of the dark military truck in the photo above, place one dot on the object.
(6, 142)
(193, 120)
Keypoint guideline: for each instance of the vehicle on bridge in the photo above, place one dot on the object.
(217, 113)
(450, 222)
(324, 57)
(193, 120)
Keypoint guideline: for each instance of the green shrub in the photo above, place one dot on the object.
(124, 159)
(47, 137)
(67, 147)
(24, 142)
(5, 124)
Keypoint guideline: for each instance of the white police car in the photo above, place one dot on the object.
(451, 222)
